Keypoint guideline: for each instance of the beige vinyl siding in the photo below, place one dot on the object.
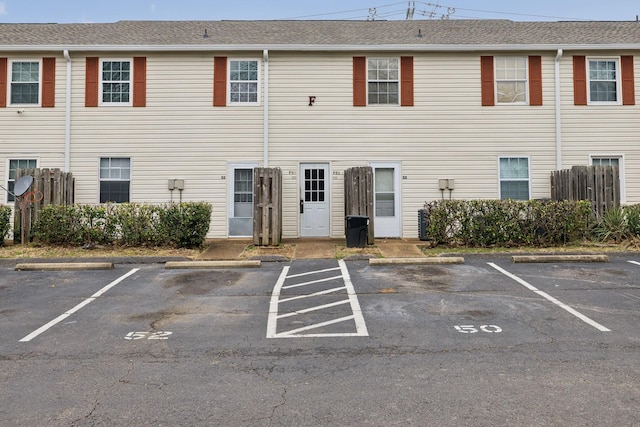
(38, 133)
(447, 134)
(178, 135)
(601, 129)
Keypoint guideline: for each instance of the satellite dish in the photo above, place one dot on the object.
(22, 185)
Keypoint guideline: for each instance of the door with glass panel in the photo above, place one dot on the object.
(240, 200)
(314, 200)
(386, 188)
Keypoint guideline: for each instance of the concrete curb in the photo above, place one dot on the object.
(176, 265)
(416, 261)
(559, 258)
(64, 266)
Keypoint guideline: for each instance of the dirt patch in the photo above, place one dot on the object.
(426, 277)
(202, 282)
(156, 318)
(282, 251)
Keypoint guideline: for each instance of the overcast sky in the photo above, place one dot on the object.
(64, 11)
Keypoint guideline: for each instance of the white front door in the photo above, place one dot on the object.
(314, 200)
(386, 200)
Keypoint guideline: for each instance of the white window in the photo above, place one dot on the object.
(511, 80)
(514, 178)
(115, 82)
(244, 78)
(383, 81)
(25, 83)
(603, 80)
(14, 165)
(115, 179)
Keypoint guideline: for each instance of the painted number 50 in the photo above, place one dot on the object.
(471, 329)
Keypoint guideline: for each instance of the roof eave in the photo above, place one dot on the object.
(321, 48)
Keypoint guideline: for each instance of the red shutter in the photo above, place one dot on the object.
(535, 80)
(628, 84)
(359, 81)
(140, 81)
(3, 82)
(406, 81)
(220, 81)
(487, 81)
(48, 82)
(580, 80)
(91, 82)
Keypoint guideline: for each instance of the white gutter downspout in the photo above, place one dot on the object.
(67, 135)
(265, 54)
(558, 113)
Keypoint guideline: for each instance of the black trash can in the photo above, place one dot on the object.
(357, 228)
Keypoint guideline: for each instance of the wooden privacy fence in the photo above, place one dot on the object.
(358, 195)
(267, 206)
(50, 187)
(599, 184)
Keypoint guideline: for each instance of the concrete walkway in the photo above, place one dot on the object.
(311, 248)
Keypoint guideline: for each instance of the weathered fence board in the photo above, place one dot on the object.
(358, 196)
(50, 187)
(267, 206)
(598, 184)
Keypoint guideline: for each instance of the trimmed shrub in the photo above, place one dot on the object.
(483, 223)
(128, 224)
(5, 224)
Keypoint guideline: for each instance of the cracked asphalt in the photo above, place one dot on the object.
(451, 345)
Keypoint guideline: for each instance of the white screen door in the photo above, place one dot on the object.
(387, 199)
(314, 200)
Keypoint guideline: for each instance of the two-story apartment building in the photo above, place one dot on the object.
(491, 105)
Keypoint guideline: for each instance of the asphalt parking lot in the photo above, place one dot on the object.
(322, 342)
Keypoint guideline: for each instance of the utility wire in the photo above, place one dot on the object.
(365, 12)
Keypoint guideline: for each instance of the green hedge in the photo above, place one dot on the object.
(129, 224)
(483, 223)
(5, 224)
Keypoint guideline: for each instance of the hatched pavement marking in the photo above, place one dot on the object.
(352, 300)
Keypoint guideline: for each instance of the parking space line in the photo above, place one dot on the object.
(315, 294)
(634, 262)
(552, 299)
(293, 332)
(75, 309)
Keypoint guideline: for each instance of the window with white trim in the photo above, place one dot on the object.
(514, 178)
(511, 79)
(383, 82)
(14, 165)
(116, 79)
(115, 179)
(25, 83)
(244, 78)
(603, 80)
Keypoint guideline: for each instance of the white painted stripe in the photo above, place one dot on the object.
(634, 262)
(315, 294)
(272, 321)
(336, 335)
(313, 282)
(313, 272)
(87, 301)
(552, 299)
(316, 308)
(361, 326)
(316, 326)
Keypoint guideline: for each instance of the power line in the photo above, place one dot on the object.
(432, 11)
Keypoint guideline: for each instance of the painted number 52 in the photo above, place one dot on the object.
(471, 329)
(159, 335)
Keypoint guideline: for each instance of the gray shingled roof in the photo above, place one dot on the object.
(291, 34)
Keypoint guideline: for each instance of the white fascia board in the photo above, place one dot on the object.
(320, 48)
